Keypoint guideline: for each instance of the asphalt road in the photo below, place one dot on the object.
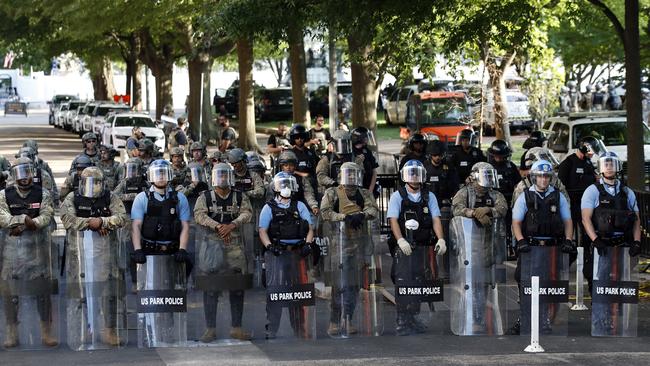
(436, 347)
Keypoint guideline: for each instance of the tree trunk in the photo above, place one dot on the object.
(163, 73)
(102, 79)
(195, 67)
(129, 76)
(635, 158)
(299, 90)
(136, 96)
(497, 84)
(364, 86)
(247, 138)
(209, 127)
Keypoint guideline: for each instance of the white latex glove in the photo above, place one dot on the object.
(404, 246)
(411, 224)
(441, 247)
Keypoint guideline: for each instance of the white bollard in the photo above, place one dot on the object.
(580, 263)
(534, 346)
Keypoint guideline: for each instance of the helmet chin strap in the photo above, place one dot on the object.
(412, 187)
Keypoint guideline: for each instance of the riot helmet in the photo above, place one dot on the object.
(609, 165)
(484, 175)
(91, 182)
(541, 168)
(285, 184)
(133, 168)
(342, 142)
(350, 175)
(22, 173)
(417, 138)
(222, 176)
(413, 172)
(159, 173)
(298, 131)
(197, 174)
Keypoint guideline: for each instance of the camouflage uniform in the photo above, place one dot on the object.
(111, 170)
(217, 258)
(464, 201)
(4, 171)
(323, 176)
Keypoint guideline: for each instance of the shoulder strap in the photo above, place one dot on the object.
(239, 198)
(402, 193)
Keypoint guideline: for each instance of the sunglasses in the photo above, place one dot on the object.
(91, 140)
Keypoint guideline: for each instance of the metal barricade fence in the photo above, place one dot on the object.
(389, 183)
(643, 200)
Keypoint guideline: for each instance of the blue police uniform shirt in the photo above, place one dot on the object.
(395, 203)
(141, 201)
(590, 197)
(266, 215)
(131, 143)
(519, 209)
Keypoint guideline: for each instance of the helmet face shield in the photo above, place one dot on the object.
(91, 187)
(222, 177)
(548, 156)
(609, 164)
(131, 170)
(486, 178)
(196, 173)
(22, 171)
(343, 146)
(350, 176)
(159, 174)
(413, 174)
(285, 182)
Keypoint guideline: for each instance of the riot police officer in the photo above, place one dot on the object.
(199, 154)
(179, 168)
(577, 173)
(286, 231)
(417, 147)
(25, 213)
(197, 182)
(251, 184)
(533, 155)
(307, 159)
(346, 208)
(221, 213)
(89, 141)
(287, 163)
(480, 198)
(610, 214)
(541, 217)
(41, 164)
(536, 139)
(330, 163)
(4, 171)
(146, 152)
(442, 178)
(466, 154)
(499, 156)
(110, 168)
(411, 241)
(160, 217)
(71, 183)
(95, 211)
(278, 142)
(361, 138)
(41, 177)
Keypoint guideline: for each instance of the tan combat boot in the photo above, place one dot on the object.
(109, 336)
(11, 339)
(209, 335)
(238, 333)
(46, 336)
(333, 330)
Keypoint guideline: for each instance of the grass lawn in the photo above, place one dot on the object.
(384, 131)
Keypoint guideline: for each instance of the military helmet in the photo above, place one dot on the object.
(413, 172)
(23, 168)
(175, 151)
(254, 162)
(223, 176)
(484, 175)
(608, 160)
(82, 161)
(542, 153)
(236, 155)
(146, 145)
(437, 147)
(467, 134)
(31, 143)
(91, 182)
(27, 152)
(417, 138)
(88, 136)
(287, 157)
(350, 174)
(360, 135)
(536, 139)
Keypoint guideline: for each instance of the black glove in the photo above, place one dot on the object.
(275, 249)
(600, 245)
(523, 246)
(315, 252)
(635, 248)
(305, 250)
(181, 256)
(568, 246)
(138, 256)
(355, 220)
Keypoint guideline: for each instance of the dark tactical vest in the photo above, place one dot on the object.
(243, 183)
(335, 164)
(161, 221)
(612, 214)
(542, 217)
(223, 210)
(133, 186)
(286, 223)
(29, 205)
(418, 211)
(93, 207)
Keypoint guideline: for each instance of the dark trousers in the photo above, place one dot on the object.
(210, 301)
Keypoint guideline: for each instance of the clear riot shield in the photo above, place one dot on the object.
(615, 294)
(353, 273)
(125, 249)
(28, 289)
(417, 282)
(256, 260)
(445, 218)
(551, 265)
(221, 278)
(290, 295)
(477, 255)
(95, 309)
(162, 302)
